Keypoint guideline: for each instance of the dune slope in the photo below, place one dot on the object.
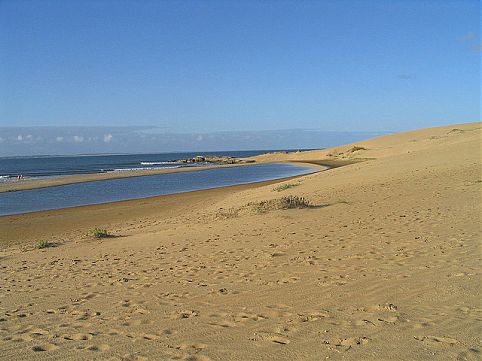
(384, 264)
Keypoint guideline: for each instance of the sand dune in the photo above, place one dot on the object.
(384, 265)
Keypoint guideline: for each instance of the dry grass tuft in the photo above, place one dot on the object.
(355, 149)
(261, 207)
(286, 186)
(288, 202)
(43, 244)
(99, 233)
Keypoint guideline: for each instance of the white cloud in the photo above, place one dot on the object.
(59, 139)
(107, 138)
(199, 138)
(78, 138)
(25, 138)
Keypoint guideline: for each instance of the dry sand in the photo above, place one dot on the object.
(386, 266)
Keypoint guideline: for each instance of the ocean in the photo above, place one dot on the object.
(47, 166)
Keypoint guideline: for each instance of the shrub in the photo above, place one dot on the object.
(288, 202)
(283, 187)
(42, 244)
(294, 202)
(99, 233)
(356, 148)
(227, 213)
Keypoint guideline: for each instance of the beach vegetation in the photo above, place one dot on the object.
(227, 213)
(283, 187)
(356, 148)
(262, 207)
(288, 202)
(294, 202)
(43, 244)
(99, 233)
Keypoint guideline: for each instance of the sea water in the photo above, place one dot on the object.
(112, 190)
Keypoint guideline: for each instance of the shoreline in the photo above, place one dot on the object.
(37, 183)
(15, 186)
(261, 183)
(38, 224)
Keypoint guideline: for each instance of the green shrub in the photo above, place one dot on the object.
(99, 233)
(283, 187)
(43, 244)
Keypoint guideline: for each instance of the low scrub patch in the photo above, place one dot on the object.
(43, 244)
(261, 207)
(288, 202)
(355, 149)
(283, 187)
(99, 233)
(227, 213)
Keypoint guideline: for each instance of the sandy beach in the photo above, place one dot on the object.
(382, 263)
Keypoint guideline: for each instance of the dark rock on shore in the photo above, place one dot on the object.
(215, 160)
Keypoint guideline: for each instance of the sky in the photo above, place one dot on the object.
(21, 141)
(241, 66)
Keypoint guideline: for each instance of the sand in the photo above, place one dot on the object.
(385, 265)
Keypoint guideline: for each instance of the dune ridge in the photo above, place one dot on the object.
(384, 264)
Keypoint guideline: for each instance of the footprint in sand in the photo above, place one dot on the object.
(149, 336)
(313, 316)
(271, 337)
(184, 314)
(197, 358)
(287, 280)
(95, 348)
(223, 323)
(364, 322)
(39, 332)
(437, 340)
(191, 346)
(348, 343)
(46, 347)
(284, 329)
(472, 354)
(131, 357)
(21, 338)
(137, 322)
(387, 307)
(168, 332)
(391, 319)
(78, 337)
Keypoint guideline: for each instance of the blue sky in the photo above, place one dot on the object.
(205, 66)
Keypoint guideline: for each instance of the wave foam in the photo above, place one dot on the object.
(158, 163)
(143, 168)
